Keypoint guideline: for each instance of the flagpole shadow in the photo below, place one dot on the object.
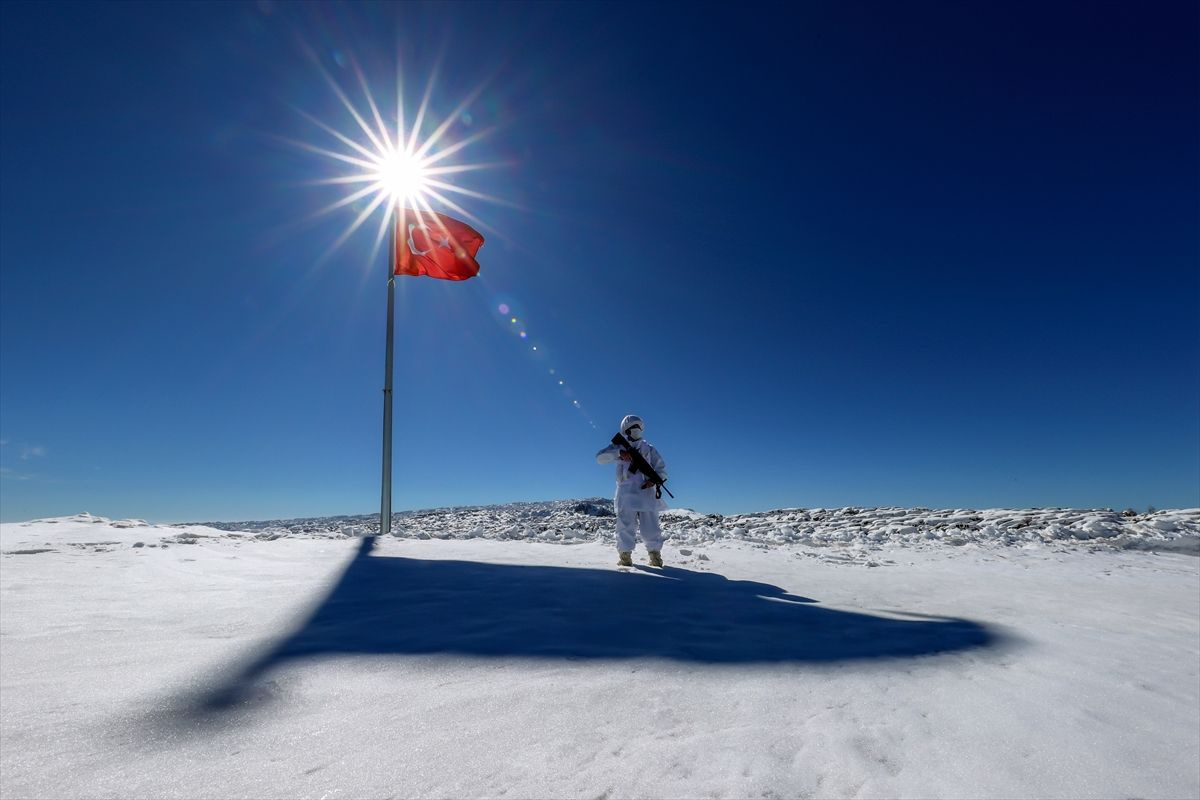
(385, 605)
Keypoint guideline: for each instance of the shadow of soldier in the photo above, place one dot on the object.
(403, 606)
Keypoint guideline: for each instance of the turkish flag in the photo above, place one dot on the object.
(428, 243)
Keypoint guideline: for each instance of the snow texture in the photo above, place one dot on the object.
(793, 653)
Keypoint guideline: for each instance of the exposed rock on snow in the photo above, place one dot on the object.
(573, 521)
(847, 530)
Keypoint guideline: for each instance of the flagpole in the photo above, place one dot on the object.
(385, 501)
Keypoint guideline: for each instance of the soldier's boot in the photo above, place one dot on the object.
(656, 558)
(624, 559)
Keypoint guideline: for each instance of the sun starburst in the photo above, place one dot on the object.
(386, 166)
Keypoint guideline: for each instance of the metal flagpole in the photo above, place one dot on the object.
(385, 502)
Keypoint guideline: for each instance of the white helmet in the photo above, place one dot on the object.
(632, 426)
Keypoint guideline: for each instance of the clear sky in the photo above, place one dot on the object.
(917, 253)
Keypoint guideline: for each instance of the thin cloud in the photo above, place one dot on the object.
(32, 451)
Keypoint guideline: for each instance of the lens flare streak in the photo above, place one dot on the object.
(517, 327)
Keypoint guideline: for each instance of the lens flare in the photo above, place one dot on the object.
(388, 162)
(517, 326)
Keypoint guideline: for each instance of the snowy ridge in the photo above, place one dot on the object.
(578, 521)
(573, 521)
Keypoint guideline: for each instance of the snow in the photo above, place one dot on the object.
(497, 651)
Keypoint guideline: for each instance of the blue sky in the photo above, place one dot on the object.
(937, 254)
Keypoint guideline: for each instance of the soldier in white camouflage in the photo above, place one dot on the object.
(637, 501)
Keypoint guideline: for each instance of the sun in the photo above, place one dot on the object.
(396, 164)
(403, 177)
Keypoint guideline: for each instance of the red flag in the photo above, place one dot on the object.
(428, 243)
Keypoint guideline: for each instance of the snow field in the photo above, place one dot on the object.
(1087, 685)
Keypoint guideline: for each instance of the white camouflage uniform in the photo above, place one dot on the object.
(634, 504)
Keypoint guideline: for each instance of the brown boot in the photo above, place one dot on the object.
(624, 559)
(656, 558)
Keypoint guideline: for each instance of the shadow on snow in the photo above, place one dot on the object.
(388, 605)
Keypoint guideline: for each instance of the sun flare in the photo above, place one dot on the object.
(390, 164)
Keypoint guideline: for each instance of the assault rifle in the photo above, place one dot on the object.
(639, 464)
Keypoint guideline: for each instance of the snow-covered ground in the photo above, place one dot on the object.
(497, 651)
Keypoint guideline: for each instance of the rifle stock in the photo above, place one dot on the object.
(640, 464)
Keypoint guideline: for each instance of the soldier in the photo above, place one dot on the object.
(637, 502)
